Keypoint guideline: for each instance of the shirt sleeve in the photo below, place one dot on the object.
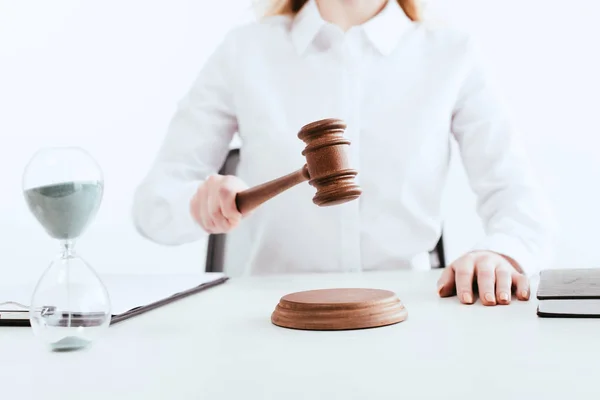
(516, 215)
(196, 144)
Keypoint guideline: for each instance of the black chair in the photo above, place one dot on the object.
(215, 254)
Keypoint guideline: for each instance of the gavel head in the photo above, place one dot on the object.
(327, 162)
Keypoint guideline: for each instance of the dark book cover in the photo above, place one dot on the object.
(569, 293)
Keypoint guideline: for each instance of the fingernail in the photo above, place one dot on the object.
(440, 287)
(489, 297)
(467, 298)
(503, 296)
(524, 294)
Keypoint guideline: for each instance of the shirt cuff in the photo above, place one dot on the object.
(512, 247)
(165, 218)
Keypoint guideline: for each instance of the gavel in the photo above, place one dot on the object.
(327, 169)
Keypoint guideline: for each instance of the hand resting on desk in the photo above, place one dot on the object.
(494, 276)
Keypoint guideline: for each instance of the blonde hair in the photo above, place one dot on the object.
(412, 8)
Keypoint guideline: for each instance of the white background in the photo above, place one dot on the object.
(107, 75)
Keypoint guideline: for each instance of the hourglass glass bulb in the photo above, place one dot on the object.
(70, 307)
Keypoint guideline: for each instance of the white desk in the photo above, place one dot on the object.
(220, 344)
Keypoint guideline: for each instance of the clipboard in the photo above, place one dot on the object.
(15, 314)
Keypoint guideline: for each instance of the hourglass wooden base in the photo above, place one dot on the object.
(339, 309)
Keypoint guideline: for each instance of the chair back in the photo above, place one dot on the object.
(215, 252)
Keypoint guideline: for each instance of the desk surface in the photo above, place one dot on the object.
(220, 344)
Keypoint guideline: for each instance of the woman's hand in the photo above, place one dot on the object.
(492, 275)
(213, 206)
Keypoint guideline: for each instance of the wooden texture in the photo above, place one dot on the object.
(327, 169)
(328, 163)
(250, 199)
(339, 309)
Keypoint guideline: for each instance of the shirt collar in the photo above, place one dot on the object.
(306, 25)
(383, 30)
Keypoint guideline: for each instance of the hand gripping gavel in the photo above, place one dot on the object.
(326, 169)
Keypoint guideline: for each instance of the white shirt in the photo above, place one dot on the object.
(405, 91)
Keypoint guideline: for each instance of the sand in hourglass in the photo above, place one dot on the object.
(64, 209)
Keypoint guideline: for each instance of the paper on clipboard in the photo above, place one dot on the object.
(126, 291)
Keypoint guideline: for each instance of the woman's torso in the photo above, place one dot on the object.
(395, 85)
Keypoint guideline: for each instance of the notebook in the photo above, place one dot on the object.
(569, 293)
(130, 294)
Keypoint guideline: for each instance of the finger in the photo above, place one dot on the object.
(214, 212)
(521, 282)
(446, 287)
(216, 215)
(227, 196)
(464, 268)
(199, 209)
(210, 208)
(486, 280)
(207, 223)
(195, 206)
(504, 283)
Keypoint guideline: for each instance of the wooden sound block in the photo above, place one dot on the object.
(339, 309)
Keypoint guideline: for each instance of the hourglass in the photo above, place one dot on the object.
(70, 307)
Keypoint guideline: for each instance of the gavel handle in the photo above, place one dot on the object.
(250, 199)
